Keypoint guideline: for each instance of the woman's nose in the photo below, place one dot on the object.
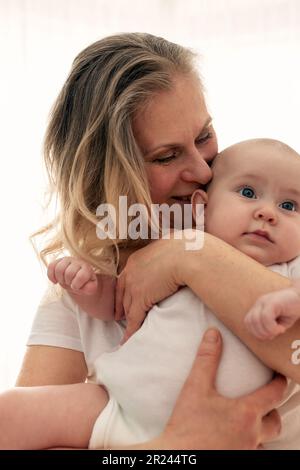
(197, 171)
(267, 213)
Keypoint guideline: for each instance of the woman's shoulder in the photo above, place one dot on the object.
(60, 322)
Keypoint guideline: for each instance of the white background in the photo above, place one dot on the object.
(250, 60)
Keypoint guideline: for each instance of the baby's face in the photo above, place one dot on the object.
(254, 200)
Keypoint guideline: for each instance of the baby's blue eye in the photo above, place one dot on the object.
(247, 192)
(288, 205)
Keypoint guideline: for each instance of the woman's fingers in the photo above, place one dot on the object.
(203, 374)
(267, 398)
(120, 289)
(134, 306)
(134, 320)
(271, 426)
(127, 300)
(150, 274)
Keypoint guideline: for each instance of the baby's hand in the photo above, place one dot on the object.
(272, 314)
(74, 275)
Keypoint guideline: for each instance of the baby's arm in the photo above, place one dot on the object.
(50, 416)
(92, 293)
(272, 314)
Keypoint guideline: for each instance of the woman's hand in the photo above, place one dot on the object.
(203, 419)
(149, 276)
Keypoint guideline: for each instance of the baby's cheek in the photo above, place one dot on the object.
(214, 227)
(290, 246)
(212, 220)
(207, 218)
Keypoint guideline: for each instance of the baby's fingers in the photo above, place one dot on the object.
(262, 320)
(85, 280)
(270, 321)
(90, 288)
(59, 270)
(51, 271)
(71, 271)
(253, 321)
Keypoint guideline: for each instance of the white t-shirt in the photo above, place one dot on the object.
(60, 322)
(146, 374)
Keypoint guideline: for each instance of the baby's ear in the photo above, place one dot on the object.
(199, 197)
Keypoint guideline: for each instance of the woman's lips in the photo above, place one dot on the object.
(186, 199)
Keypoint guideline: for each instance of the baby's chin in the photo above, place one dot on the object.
(259, 255)
(268, 258)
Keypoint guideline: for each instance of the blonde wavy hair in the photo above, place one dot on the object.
(90, 152)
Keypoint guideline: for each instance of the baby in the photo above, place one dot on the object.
(269, 214)
(254, 205)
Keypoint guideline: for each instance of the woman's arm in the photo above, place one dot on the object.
(227, 281)
(48, 365)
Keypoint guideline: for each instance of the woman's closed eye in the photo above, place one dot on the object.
(164, 159)
(203, 138)
(247, 191)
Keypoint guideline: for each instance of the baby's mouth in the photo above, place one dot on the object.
(262, 234)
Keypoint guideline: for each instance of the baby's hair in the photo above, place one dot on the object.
(90, 152)
(265, 141)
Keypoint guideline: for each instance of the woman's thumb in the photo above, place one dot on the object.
(207, 360)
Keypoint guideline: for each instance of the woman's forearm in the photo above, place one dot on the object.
(229, 283)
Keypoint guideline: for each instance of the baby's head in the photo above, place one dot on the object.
(254, 200)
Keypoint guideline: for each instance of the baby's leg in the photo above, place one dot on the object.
(49, 416)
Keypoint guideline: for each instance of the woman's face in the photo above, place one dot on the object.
(177, 139)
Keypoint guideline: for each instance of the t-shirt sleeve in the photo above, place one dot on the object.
(56, 321)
